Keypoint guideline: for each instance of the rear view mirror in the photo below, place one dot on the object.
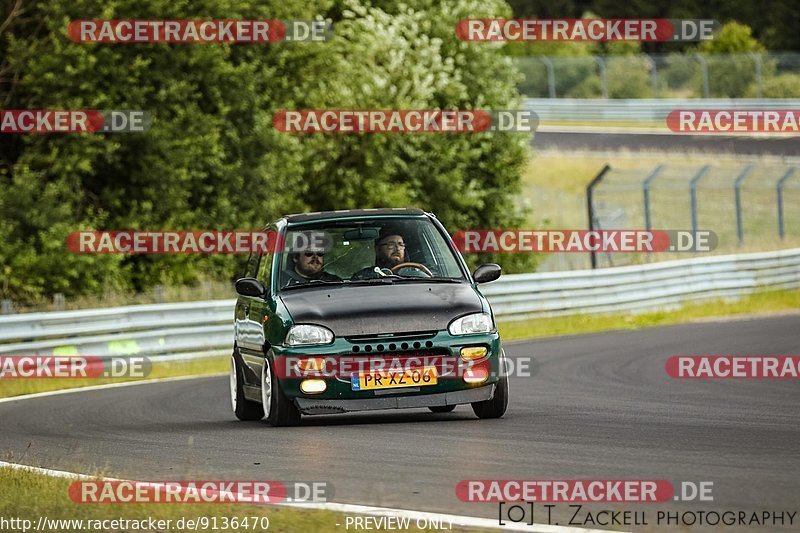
(250, 287)
(361, 234)
(486, 273)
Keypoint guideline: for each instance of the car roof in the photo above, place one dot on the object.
(347, 213)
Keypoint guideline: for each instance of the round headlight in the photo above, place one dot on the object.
(470, 324)
(305, 334)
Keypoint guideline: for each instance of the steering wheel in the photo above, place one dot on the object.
(418, 266)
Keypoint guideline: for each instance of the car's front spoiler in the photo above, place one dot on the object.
(312, 406)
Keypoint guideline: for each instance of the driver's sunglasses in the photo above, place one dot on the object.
(311, 254)
(395, 245)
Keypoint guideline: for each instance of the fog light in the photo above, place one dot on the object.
(477, 374)
(473, 352)
(313, 386)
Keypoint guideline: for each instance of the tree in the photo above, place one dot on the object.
(212, 158)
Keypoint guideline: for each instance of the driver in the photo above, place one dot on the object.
(390, 251)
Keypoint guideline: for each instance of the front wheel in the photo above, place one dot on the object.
(278, 409)
(243, 408)
(496, 407)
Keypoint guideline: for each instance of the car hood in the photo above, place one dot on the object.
(378, 309)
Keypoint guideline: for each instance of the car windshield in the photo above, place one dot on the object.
(365, 252)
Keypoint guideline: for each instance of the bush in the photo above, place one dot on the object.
(780, 86)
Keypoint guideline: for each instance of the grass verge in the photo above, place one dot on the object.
(30, 495)
(207, 365)
(760, 303)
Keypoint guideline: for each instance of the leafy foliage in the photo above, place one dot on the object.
(212, 158)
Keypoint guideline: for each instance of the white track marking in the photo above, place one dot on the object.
(107, 386)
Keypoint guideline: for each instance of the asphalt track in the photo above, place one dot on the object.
(597, 406)
(567, 140)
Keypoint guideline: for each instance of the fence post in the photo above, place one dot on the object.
(704, 70)
(551, 75)
(603, 75)
(737, 191)
(590, 206)
(653, 74)
(779, 188)
(6, 307)
(646, 192)
(759, 77)
(693, 194)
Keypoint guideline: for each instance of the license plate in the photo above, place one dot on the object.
(392, 379)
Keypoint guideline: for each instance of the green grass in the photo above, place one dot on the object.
(29, 495)
(756, 304)
(554, 188)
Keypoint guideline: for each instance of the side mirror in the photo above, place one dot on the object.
(250, 287)
(486, 273)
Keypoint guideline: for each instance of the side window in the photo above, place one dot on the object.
(252, 265)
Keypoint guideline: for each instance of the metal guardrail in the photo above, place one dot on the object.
(644, 109)
(198, 329)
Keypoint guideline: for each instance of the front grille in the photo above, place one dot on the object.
(392, 342)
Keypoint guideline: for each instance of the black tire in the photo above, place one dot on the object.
(281, 411)
(243, 408)
(442, 408)
(496, 407)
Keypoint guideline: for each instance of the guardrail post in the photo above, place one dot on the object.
(551, 75)
(59, 302)
(737, 192)
(646, 192)
(779, 188)
(693, 194)
(6, 307)
(704, 70)
(590, 206)
(603, 75)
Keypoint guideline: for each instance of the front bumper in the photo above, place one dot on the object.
(319, 406)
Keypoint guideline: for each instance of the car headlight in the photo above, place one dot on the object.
(469, 324)
(304, 334)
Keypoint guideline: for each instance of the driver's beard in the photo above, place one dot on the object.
(388, 262)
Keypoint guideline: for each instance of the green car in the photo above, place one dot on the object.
(361, 310)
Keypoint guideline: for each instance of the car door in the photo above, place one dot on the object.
(256, 314)
(243, 331)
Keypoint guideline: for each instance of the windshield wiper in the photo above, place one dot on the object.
(434, 280)
(312, 282)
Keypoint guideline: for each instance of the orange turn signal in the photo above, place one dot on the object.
(473, 352)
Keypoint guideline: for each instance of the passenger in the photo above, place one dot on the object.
(305, 267)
